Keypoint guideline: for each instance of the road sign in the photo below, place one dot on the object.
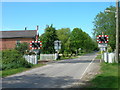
(102, 38)
(102, 45)
(35, 44)
(57, 45)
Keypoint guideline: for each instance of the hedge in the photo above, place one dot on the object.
(12, 59)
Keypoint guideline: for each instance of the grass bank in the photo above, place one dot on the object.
(108, 77)
(5, 73)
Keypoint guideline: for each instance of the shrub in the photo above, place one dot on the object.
(13, 59)
(22, 47)
(109, 49)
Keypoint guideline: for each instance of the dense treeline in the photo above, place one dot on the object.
(72, 41)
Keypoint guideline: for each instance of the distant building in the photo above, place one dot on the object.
(9, 39)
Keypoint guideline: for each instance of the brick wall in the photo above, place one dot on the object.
(11, 43)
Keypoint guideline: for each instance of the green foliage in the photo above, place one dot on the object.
(98, 57)
(71, 41)
(109, 49)
(13, 59)
(105, 22)
(48, 39)
(18, 70)
(108, 77)
(22, 47)
(12, 71)
(63, 35)
(80, 39)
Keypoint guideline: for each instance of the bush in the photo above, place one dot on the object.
(22, 47)
(65, 54)
(12, 59)
(109, 49)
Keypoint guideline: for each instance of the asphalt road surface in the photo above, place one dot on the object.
(60, 74)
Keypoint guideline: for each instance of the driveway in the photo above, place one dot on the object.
(60, 74)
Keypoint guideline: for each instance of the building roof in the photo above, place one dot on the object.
(18, 34)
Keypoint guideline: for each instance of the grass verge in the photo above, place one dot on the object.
(98, 57)
(72, 57)
(18, 70)
(108, 77)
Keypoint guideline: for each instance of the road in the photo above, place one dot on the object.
(60, 74)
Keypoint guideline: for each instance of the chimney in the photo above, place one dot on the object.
(25, 28)
(37, 27)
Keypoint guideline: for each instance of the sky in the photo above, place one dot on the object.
(18, 15)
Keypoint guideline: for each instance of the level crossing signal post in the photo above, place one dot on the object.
(36, 46)
(57, 47)
(102, 43)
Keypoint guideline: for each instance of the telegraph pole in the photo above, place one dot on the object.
(117, 30)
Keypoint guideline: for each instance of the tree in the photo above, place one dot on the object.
(63, 35)
(89, 43)
(48, 39)
(76, 38)
(105, 22)
(80, 39)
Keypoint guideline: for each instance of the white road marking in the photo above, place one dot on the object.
(87, 68)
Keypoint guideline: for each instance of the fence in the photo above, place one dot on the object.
(31, 58)
(109, 57)
(48, 57)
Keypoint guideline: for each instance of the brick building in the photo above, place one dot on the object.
(9, 39)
